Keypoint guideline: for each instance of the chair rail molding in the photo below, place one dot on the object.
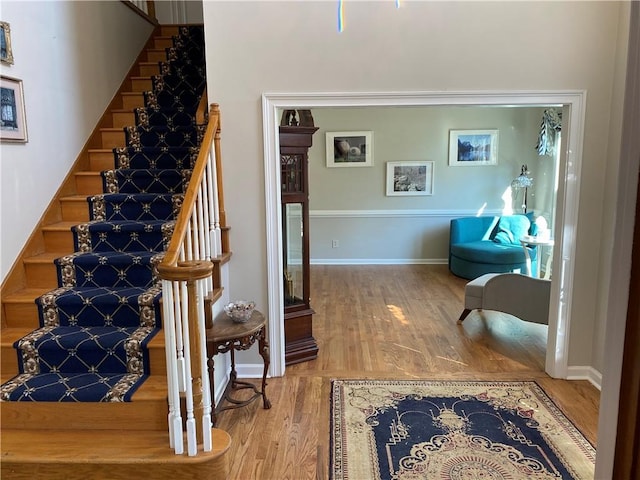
(398, 213)
(573, 101)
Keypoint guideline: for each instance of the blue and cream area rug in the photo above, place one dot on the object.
(452, 430)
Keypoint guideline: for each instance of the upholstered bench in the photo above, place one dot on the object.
(519, 295)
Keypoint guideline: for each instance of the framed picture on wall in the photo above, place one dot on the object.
(409, 178)
(349, 149)
(13, 126)
(473, 148)
(6, 54)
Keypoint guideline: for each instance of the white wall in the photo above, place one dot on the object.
(349, 204)
(72, 57)
(423, 46)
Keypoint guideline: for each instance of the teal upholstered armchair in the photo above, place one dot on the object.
(489, 244)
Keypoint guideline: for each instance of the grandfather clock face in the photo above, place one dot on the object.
(291, 173)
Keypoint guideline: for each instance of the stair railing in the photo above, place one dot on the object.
(186, 273)
(145, 8)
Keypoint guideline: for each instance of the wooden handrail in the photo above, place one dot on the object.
(146, 9)
(187, 282)
(180, 231)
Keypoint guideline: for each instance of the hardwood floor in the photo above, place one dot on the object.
(389, 322)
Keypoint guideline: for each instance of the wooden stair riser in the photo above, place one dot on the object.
(135, 415)
(89, 183)
(101, 160)
(74, 209)
(21, 315)
(160, 43)
(112, 137)
(169, 30)
(156, 56)
(58, 240)
(121, 119)
(108, 455)
(40, 274)
(141, 84)
(131, 100)
(148, 69)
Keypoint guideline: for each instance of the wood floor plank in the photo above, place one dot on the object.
(387, 322)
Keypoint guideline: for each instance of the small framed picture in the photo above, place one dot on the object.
(13, 125)
(349, 149)
(409, 178)
(473, 148)
(6, 55)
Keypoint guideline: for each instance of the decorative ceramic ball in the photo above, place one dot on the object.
(240, 311)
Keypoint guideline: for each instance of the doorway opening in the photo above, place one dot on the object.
(572, 104)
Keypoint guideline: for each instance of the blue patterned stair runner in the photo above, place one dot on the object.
(95, 327)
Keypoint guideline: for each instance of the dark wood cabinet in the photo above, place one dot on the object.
(296, 135)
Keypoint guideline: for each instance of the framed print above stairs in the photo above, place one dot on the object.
(13, 123)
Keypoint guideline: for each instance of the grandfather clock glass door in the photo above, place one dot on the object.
(295, 140)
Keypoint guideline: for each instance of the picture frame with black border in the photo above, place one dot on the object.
(349, 149)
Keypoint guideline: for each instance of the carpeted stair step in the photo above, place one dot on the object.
(122, 235)
(71, 387)
(153, 157)
(134, 206)
(181, 79)
(81, 350)
(97, 336)
(166, 99)
(140, 137)
(108, 269)
(148, 409)
(164, 117)
(153, 180)
(101, 306)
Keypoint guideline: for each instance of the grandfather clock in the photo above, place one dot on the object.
(296, 132)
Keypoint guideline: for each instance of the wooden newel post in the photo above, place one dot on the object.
(191, 272)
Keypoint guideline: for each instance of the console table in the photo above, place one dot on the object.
(229, 336)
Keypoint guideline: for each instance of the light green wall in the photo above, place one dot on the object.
(385, 231)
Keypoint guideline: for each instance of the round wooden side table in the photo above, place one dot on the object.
(229, 336)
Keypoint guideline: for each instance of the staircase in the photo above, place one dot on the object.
(85, 394)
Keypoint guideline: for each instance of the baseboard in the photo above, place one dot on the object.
(379, 261)
(250, 370)
(585, 373)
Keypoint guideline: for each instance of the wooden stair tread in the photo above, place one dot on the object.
(100, 446)
(26, 295)
(46, 257)
(11, 334)
(62, 226)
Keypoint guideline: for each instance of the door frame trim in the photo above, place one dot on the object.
(573, 102)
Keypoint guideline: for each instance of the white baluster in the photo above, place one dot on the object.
(174, 419)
